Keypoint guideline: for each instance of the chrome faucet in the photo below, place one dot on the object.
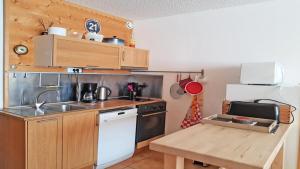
(38, 104)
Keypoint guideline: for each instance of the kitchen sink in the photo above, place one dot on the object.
(50, 108)
(64, 107)
(21, 108)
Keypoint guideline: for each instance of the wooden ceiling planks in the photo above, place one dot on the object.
(22, 23)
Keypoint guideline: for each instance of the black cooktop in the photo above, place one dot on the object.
(137, 99)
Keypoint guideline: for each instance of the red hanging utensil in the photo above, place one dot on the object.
(194, 87)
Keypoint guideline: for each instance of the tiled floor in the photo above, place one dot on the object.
(151, 160)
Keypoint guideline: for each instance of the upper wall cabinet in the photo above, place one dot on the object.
(59, 51)
(134, 58)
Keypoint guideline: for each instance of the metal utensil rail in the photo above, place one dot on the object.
(170, 71)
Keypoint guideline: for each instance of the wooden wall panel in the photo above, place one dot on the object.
(22, 23)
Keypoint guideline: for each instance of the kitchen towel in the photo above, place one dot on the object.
(194, 115)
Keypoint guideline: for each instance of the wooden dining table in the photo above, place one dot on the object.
(226, 147)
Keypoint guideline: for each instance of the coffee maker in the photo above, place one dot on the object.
(87, 92)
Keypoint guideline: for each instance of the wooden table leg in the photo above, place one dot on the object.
(278, 162)
(179, 162)
(173, 162)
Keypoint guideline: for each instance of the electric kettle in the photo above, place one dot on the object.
(103, 93)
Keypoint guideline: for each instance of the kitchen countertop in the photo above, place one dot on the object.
(223, 146)
(28, 113)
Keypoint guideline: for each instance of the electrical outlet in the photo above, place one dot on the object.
(74, 70)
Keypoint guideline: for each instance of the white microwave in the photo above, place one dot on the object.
(262, 73)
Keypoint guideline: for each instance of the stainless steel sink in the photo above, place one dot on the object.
(29, 111)
(64, 107)
(21, 107)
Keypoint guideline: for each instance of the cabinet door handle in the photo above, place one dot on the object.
(45, 120)
(97, 119)
(152, 114)
(123, 56)
(91, 66)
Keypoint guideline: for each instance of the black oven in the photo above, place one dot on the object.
(150, 121)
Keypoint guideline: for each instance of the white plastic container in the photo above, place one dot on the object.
(57, 31)
(93, 36)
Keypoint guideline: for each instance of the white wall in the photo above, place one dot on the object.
(1, 54)
(218, 41)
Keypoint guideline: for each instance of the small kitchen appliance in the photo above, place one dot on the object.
(88, 92)
(103, 93)
(256, 110)
(265, 73)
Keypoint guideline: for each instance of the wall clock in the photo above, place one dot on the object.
(21, 49)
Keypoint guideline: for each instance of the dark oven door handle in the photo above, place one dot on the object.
(152, 114)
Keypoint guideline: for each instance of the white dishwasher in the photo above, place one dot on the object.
(116, 136)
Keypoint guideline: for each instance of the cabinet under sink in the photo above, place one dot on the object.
(60, 141)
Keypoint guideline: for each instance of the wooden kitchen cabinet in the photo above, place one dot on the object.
(44, 143)
(12, 142)
(63, 141)
(80, 134)
(60, 51)
(134, 58)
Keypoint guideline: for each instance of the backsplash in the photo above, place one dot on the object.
(23, 87)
